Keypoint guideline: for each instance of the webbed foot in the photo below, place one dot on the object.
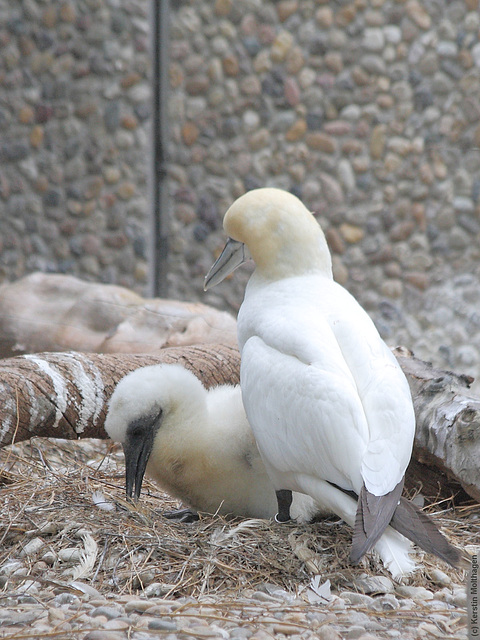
(182, 515)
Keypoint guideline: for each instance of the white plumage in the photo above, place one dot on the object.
(329, 405)
(196, 444)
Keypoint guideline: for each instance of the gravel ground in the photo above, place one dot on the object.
(70, 569)
(83, 612)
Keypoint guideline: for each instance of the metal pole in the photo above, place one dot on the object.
(159, 190)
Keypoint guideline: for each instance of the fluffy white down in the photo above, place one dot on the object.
(326, 399)
(204, 452)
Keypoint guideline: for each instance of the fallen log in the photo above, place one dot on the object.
(447, 437)
(55, 312)
(65, 395)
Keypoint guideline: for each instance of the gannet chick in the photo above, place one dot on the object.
(196, 444)
(328, 403)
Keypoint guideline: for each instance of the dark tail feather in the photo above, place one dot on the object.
(420, 529)
(374, 513)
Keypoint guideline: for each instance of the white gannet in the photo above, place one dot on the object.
(196, 444)
(328, 403)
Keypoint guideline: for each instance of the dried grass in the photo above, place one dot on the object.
(52, 490)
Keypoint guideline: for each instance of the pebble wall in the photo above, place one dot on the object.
(368, 110)
(74, 124)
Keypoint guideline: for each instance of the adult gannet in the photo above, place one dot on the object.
(328, 403)
(196, 444)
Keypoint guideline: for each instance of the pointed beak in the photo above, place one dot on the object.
(233, 255)
(137, 451)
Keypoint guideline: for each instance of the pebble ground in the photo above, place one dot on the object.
(406, 613)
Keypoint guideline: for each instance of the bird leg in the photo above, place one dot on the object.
(182, 515)
(284, 500)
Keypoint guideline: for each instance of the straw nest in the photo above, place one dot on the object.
(64, 515)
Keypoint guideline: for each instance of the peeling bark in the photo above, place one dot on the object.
(447, 438)
(65, 395)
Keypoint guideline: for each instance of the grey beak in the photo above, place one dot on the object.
(137, 449)
(233, 255)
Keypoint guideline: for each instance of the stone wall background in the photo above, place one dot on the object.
(368, 110)
(74, 123)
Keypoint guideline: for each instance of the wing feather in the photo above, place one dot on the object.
(314, 366)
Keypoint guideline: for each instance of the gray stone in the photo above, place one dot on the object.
(14, 151)
(373, 64)
(441, 84)
(463, 204)
(417, 594)
(112, 116)
(162, 625)
(374, 584)
(346, 174)
(104, 634)
(34, 546)
(66, 598)
(109, 612)
(447, 49)
(373, 39)
(476, 54)
(360, 599)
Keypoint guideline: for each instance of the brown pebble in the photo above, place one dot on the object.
(190, 133)
(223, 7)
(402, 231)
(418, 14)
(130, 80)
(335, 240)
(345, 15)
(129, 122)
(321, 142)
(294, 61)
(392, 288)
(126, 190)
(231, 66)
(196, 86)
(286, 8)
(175, 74)
(337, 128)
(291, 91)
(418, 280)
(49, 17)
(324, 17)
(68, 12)
(36, 136)
(259, 139)
(378, 140)
(296, 131)
(26, 115)
(286, 629)
(351, 233)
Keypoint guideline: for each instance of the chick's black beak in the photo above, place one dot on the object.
(137, 449)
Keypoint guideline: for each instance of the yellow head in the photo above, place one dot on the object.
(282, 236)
